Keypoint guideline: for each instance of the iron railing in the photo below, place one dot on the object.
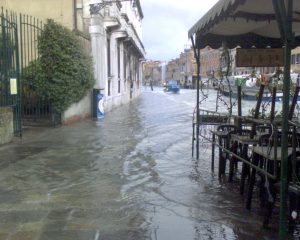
(10, 88)
(37, 108)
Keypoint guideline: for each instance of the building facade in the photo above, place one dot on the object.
(173, 70)
(152, 73)
(117, 50)
(186, 67)
(295, 60)
(113, 33)
(209, 63)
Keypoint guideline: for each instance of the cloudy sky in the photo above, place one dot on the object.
(166, 24)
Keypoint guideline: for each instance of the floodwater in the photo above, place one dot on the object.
(129, 176)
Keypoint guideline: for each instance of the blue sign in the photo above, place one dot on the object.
(100, 106)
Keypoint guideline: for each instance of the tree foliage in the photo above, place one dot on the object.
(65, 71)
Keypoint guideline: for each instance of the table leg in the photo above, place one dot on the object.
(269, 204)
(252, 181)
(245, 169)
(232, 161)
(220, 158)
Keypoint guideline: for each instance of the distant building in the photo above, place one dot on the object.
(182, 69)
(173, 70)
(152, 73)
(209, 64)
(295, 60)
(186, 67)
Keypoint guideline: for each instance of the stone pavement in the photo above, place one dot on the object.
(64, 183)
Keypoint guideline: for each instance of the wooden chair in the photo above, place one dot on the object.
(223, 134)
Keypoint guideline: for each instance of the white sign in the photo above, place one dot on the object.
(13, 86)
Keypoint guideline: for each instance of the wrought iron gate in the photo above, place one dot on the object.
(10, 89)
(36, 105)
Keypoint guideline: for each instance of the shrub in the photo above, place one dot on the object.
(64, 69)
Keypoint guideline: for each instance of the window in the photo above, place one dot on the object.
(293, 60)
(298, 58)
(119, 59)
(108, 87)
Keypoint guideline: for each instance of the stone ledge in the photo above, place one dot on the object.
(6, 125)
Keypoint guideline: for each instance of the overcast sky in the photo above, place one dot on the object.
(166, 24)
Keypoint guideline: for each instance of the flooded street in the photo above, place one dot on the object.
(130, 176)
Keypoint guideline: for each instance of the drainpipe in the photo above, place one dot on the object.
(75, 14)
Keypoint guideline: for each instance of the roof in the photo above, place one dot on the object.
(244, 23)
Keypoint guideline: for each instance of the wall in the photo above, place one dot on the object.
(295, 64)
(78, 111)
(59, 10)
(82, 109)
(6, 125)
(62, 12)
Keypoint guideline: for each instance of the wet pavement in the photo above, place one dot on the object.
(129, 176)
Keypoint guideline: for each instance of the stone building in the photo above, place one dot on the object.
(117, 49)
(152, 73)
(186, 67)
(209, 63)
(173, 70)
(295, 60)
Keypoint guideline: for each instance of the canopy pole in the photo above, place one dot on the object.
(284, 20)
(197, 57)
(239, 96)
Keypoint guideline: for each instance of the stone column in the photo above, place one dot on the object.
(98, 41)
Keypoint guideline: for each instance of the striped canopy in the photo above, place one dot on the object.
(244, 23)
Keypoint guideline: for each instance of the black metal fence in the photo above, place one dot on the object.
(36, 105)
(19, 62)
(19, 56)
(10, 86)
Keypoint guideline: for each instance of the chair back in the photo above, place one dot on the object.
(269, 139)
(227, 128)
